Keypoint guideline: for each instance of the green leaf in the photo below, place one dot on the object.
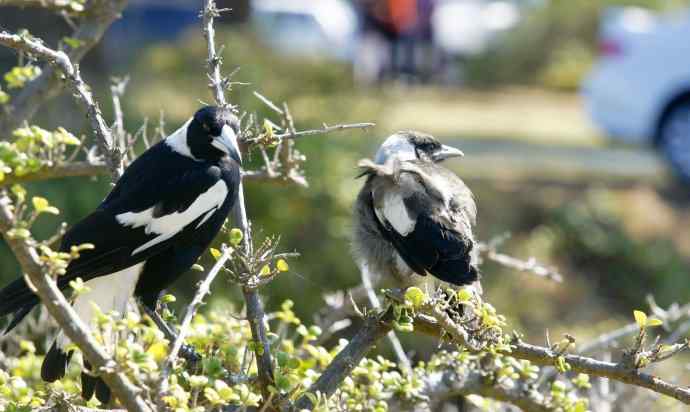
(235, 236)
(282, 265)
(651, 322)
(168, 298)
(415, 296)
(72, 42)
(640, 318)
(41, 205)
(265, 271)
(464, 295)
(19, 192)
(197, 267)
(18, 233)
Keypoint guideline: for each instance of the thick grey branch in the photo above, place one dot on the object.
(58, 171)
(546, 357)
(66, 317)
(367, 336)
(97, 17)
(616, 371)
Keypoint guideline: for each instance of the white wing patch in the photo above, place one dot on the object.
(395, 212)
(169, 225)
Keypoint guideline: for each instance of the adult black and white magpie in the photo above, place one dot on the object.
(414, 217)
(159, 218)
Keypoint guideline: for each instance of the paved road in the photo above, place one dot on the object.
(498, 159)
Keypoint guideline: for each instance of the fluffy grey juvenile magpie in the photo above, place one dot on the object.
(413, 217)
(159, 218)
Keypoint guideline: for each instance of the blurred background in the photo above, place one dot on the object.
(574, 118)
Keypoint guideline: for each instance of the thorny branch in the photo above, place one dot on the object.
(489, 250)
(97, 16)
(374, 328)
(620, 371)
(60, 60)
(255, 312)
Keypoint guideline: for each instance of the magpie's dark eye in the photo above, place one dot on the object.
(206, 127)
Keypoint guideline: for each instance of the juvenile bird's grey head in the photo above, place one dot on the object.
(209, 135)
(412, 145)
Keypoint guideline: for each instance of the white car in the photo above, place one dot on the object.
(639, 90)
(307, 27)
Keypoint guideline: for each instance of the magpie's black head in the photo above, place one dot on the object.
(212, 134)
(411, 145)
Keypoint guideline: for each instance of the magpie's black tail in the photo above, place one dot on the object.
(55, 364)
(16, 299)
(93, 384)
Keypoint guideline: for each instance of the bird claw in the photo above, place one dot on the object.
(189, 354)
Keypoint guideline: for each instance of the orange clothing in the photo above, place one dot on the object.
(403, 14)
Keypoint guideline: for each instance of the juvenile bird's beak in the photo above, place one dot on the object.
(227, 142)
(446, 152)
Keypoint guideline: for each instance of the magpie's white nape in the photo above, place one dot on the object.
(413, 217)
(162, 214)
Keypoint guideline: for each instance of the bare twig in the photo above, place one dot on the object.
(530, 265)
(672, 314)
(97, 17)
(202, 290)
(117, 90)
(398, 349)
(82, 93)
(69, 321)
(325, 129)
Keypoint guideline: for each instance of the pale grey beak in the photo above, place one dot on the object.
(446, 152)
(227, 142)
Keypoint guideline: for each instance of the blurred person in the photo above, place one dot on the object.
(394, 34)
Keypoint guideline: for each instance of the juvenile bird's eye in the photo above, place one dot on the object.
(206, 127)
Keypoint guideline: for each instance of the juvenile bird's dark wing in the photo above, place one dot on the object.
(427, 213)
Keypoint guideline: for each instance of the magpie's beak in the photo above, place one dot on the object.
(446, 152)
(227, 142)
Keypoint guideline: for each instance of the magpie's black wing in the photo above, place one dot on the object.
(427, 214)
(162, 199)
(153, 206)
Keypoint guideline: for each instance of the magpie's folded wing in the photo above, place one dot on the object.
(144, 219)
(418, 227)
